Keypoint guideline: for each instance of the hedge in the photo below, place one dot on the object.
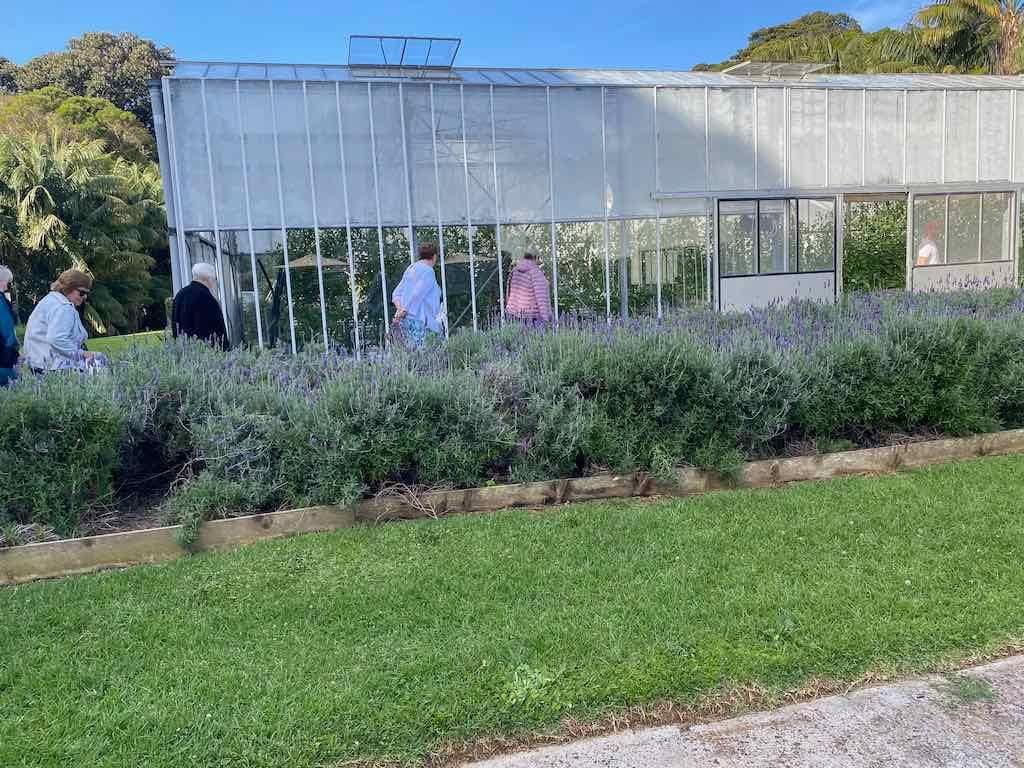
(218, 434)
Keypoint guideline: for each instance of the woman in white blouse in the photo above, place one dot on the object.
(55, 336)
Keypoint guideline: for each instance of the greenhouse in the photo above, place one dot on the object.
(639, 191)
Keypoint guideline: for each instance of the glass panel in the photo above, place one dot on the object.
(227, 154)
(995, 135)
(480, 155)
(807, 137)
(929, 230)
(773, 225)
(243, 302)
(396, 259)
(272, 288)
(322, 103)
(961, 136)
(1018, 155)
(732, 138)
(337, 292)
(996, 226)
(736, 235)
(683, 261)
(457, 277)
(817, 222)
(259, 154)
(294, 165)
(581, 270)
(634, 257)
(519, 239)
(845, 125)
(450, 166)
(419, 136)
(578, 166)
(884, 155)
(190, 154)
(387, 126)
(520, 116)
(355, 121)
(681, 152)
(487, 276)
(629, 114)
(963, 229)
(924, 136)
(771, 138)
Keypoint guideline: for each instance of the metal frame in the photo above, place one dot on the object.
(497, 210)
(376, 197)
(348, 224)
(440, 224)
(408, 176)
(316, 220)
(469, 215)
(248, 216)
(185, 269)
(284, 228)
(551, 196)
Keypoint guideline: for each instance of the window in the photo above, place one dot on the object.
(773, 237)
(964, 228)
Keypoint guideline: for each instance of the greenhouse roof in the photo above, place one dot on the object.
(572, 77)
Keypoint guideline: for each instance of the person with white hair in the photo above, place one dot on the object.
(8, 339)
(196, 313)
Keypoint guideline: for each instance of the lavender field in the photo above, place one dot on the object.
(199, 434)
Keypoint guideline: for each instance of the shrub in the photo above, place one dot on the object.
(61, 441)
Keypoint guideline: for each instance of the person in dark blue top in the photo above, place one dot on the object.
(8, 339)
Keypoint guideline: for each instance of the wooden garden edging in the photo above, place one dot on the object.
(116, 550)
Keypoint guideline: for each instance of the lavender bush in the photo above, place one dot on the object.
(226, 434)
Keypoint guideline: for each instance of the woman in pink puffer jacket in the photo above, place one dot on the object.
(528, 298)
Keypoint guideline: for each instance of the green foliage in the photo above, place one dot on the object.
(875, 246)
(254, 430)
(60, 446)
(101, 65)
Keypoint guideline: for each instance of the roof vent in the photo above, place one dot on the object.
(401, 56)
(779, 70)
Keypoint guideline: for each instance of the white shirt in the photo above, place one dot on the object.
(928, 253)
(54, 335)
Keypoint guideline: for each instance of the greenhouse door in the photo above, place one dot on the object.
(962, 241)
(771, 251)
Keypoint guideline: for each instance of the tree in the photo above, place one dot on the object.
(67, 203)
(8, 73)
(975, 35)
(81, 117)
(117, 68)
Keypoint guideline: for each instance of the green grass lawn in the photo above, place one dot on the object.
(114, 345)
(386, 641)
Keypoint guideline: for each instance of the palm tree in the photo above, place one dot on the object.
(73, 204)
(975, 35)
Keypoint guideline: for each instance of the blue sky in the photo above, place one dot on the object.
(567, 33)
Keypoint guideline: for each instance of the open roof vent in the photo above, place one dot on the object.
(402, 56)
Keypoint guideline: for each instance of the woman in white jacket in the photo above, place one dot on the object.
(55, 336)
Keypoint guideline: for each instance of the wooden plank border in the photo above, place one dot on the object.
(118, 550)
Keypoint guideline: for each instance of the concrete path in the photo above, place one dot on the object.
(974, 719)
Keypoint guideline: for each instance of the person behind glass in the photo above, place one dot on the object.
(196, 313)
(8, 339)
(54, 336)
(529, 300)
(928, 254)
(417, 300)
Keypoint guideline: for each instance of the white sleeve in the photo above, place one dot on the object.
(60, 333)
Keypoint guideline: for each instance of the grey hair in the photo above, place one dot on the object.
(5, 274)
(204, 272)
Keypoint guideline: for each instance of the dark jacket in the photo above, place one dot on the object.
(197, 314)
(8, 341)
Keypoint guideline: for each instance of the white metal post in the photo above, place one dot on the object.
(316, 219)
(786, 151)
(863, 137)
(713, 255)
(911, 213)
(376, 197)
(906, 136)
(1013, 136)
(469, 215)
(437, 190)
(497, 211)
(981, 219)
(408, 177)
(943, 159)
(348, 224)
(707, 138)
(179, 219)
(754, 99)
(657, 206)
(977, 137)
(837, 262)
(1015, 236)
(284, 230)
(248, 216)
(828, 137)
(945, 234)
(551, 195)
(657, 151)
(604, 205)
(213, 207)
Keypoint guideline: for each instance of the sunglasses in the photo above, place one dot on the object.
(83, 294)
